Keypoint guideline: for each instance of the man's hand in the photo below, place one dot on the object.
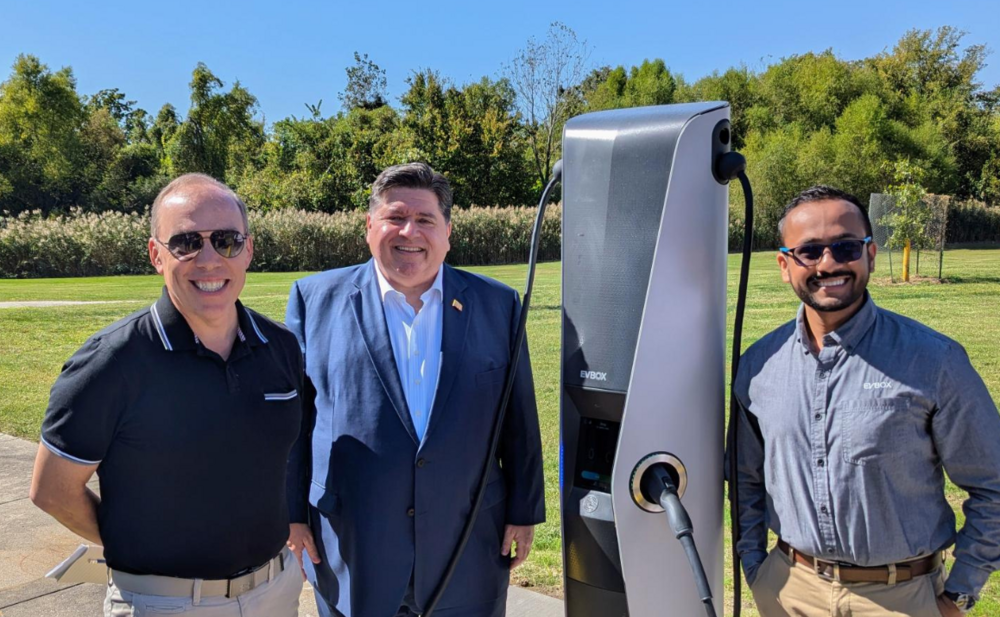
(521, 536)
(947, 607)
(300, 537)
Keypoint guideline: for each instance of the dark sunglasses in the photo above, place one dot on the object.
(842, 251)
(226, 242)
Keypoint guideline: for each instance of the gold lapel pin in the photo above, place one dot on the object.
(457, 304)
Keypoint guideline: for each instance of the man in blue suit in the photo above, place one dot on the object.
(407, 358)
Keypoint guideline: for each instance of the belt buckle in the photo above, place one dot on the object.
(827, 570)
(240, 585)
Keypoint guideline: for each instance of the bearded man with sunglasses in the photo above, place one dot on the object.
(850, 415)
(187, 411)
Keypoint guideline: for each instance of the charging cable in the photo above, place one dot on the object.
(660, 486)
(515, 356)
(732, 165)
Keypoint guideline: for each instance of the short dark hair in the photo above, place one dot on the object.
(412, 176)
(821, 192)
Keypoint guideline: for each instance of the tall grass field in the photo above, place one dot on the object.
(36, 340)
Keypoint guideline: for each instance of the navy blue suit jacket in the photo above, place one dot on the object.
(381, 504)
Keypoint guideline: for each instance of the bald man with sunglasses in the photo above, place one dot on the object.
(187, 411)
(849, 417)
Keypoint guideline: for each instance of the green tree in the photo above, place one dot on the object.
(576, 97)
(543, 74)
(862, 143)
(493, 170)
(220, 132)
(650, 83)
(930, 79)
(131, 179)
(325, 164)
(426, 117)
(295, 169)
(162, 131)
(987, 186)
(773, 172)
(101, 138)
(737, 86)
(114, 101)
(137, 125)
(910, 215)
(41, 153)
(366, 85)
(811, 90)
(134, 121)
(366, 142)
(473, 135)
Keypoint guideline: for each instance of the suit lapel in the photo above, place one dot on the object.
(456, 314)
(370, 315)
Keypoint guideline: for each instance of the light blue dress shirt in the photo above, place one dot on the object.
(416, 345)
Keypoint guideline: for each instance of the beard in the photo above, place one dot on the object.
(831, 305)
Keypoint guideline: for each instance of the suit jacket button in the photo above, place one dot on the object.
(411, 512)
(421, 462)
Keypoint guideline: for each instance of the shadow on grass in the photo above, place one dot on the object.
(974, 246)
(918, 281)
(974, 278)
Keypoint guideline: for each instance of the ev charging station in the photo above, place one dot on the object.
(644, 248)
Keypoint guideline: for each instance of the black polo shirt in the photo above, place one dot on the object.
(191, 449)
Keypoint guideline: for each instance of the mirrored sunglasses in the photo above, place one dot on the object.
(226, 242)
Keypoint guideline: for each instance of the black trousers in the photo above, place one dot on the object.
(497, 608)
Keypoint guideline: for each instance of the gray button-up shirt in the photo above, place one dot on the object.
(843, 453)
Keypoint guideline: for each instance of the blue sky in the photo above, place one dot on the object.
(294, 52)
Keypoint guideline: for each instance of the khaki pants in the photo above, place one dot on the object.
(785, 589)
(278, 597)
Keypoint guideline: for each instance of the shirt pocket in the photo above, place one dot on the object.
(280, 395)
(874, 430)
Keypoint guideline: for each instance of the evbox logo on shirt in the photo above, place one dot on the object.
(878, 385)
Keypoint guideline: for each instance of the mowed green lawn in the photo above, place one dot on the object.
(34, 342)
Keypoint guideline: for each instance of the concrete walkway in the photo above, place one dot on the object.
(31, 543)
(52, 303)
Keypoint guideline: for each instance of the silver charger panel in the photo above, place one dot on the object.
(645, 228)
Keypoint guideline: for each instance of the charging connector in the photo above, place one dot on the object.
(659, 485)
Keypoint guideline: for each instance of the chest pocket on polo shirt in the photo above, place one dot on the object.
(874, 429)
(277, 414)
(281, 395)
